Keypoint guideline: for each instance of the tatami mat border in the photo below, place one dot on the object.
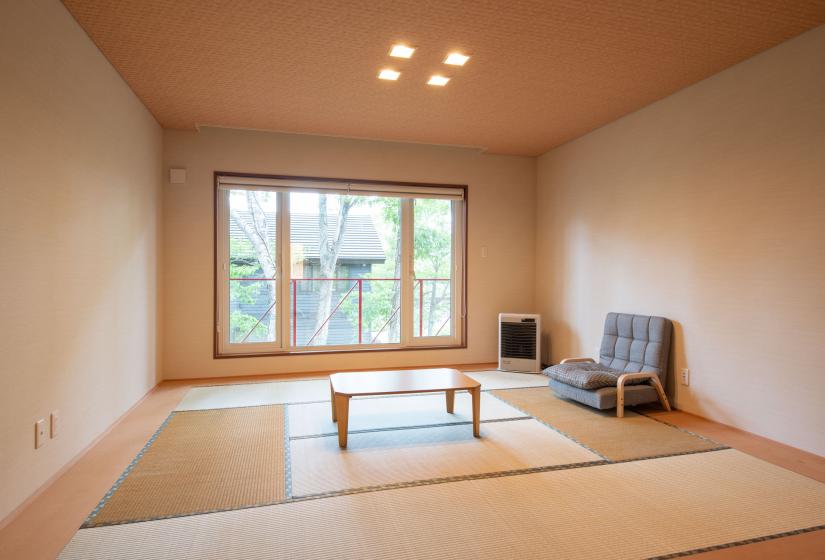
(665, 455)
(287, 456)
(447, 479)
(419, 427)
(737, 543)
(694, 434)
(126, 472)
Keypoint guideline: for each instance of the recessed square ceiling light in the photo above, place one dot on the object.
(387, 74)
(438, 81)
(456, 59)
(401, 51)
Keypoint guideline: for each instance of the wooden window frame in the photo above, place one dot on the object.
(408, 341)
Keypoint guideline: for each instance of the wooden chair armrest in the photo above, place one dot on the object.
(654, 380)
(576, 360)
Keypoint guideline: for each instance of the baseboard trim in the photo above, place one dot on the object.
(749, 434)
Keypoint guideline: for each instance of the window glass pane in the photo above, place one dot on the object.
(345, 269)
(252, 266)
(433, 265)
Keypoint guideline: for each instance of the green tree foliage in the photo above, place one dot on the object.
(252, 256)
(433, 259)
(381, 297)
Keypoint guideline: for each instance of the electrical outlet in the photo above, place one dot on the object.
(54, 423)
(685, 376)
(39, 433)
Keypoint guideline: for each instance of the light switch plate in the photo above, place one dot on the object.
(54, 423)
(685, 377)
(39, 433)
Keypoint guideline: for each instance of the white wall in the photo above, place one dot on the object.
(707, 207)
(501, 195)
(79, 217)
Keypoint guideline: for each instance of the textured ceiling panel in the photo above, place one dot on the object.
(541, 73)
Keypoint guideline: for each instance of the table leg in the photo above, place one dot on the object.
(342, 408)
(450, 401)
(476, 394)
(332, 400)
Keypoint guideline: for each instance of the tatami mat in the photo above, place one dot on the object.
(395, 412)
(203, 461)
(617, 439)
(255, 394)
(633, 510)
(507, 379)
(314, 390)
(399, 456)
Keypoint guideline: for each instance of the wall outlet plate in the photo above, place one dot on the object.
(685, 379)
(39, 433)
(54, 423)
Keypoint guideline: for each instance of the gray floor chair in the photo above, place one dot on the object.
(632, 366)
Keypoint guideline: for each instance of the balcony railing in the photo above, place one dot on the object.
(357, 286)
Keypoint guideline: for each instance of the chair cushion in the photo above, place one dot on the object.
(605, 397)
(586, 375)
(633, 343)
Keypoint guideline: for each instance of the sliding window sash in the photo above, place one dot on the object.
(457, 311)
(222, 328)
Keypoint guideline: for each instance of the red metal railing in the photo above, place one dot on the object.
(359, 284)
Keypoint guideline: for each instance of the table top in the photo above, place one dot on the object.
(356, 383)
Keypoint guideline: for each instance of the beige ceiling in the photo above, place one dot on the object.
(541, 73)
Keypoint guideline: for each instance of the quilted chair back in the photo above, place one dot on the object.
(634, 343)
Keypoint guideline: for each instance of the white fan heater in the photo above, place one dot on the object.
(519, 342)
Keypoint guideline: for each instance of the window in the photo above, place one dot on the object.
(252, 247)
(308, 265)
(433, 267)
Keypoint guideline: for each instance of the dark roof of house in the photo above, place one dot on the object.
(360, 244)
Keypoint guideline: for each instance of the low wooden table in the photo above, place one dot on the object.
(344, 386)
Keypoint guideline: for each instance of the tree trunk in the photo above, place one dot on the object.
(395, 300)
(328, 250)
